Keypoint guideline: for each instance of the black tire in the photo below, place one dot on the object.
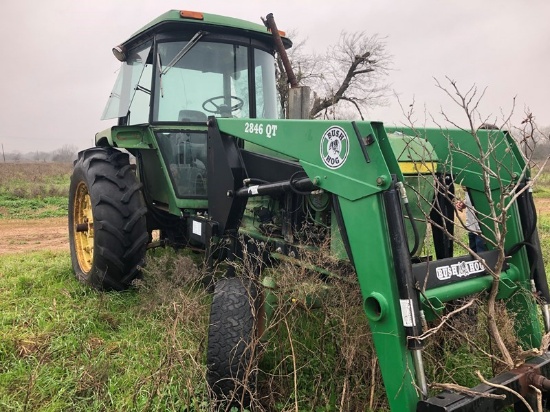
(233, 339)
(107, 228)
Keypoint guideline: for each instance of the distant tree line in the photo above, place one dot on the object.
(65, 154)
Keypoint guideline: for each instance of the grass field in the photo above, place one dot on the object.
(64, 346)
(33, 190)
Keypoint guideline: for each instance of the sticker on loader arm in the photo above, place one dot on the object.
(460, 269)
(407, 312)
(334, 147)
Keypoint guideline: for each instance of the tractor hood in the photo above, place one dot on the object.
(415, 155)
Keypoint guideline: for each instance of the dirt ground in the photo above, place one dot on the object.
(543, 206)
(33, 235)
(51, 234)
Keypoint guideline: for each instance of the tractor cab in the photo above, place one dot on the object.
(178, 70)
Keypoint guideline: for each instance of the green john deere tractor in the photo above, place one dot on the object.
(196, 105)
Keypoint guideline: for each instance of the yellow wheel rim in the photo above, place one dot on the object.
(83, 228)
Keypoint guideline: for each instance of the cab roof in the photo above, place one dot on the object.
(175, 20)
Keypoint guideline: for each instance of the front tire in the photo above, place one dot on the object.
(233, 341)
(107, 228)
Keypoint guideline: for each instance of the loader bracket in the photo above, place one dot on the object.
(517, 379)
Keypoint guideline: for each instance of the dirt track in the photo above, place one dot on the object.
(33, 235)
(51, 234)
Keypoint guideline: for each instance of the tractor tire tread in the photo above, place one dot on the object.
(134, 219)
(113, 230)
(108, 200)
(231, 335)
(117, 182)
(136, 188)
(137, 245)
(118, 209)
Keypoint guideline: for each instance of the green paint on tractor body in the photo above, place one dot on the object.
(172, 21)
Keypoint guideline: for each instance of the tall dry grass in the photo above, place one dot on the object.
(35, 180)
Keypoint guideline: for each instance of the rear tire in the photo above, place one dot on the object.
(107, 228)
(233, 342)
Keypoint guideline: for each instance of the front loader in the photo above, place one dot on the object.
(216, 167)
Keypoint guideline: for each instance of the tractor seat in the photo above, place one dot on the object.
(192, 116)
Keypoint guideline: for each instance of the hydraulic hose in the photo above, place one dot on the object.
(405, 199)
(414, 228)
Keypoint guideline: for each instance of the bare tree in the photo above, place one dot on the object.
(65, 154)
(16, 156)
(348, 75)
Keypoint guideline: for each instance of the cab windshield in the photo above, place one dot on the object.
(213, 79)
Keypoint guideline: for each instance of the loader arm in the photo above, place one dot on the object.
(498, 175)
(357, 165)
(364, 185)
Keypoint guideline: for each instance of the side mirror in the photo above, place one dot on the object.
(120, 53)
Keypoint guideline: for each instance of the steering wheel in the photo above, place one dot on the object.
(219, 108)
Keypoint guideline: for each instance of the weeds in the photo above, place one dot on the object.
(316, 352)
(64, 346)
(34, 180)
(34, 190)
(22, 208)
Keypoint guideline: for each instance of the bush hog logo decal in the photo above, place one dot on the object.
(334, 147)
(460, 269)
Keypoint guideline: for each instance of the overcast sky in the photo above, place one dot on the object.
(58, 68)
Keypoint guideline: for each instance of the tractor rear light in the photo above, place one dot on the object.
(195, 15)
